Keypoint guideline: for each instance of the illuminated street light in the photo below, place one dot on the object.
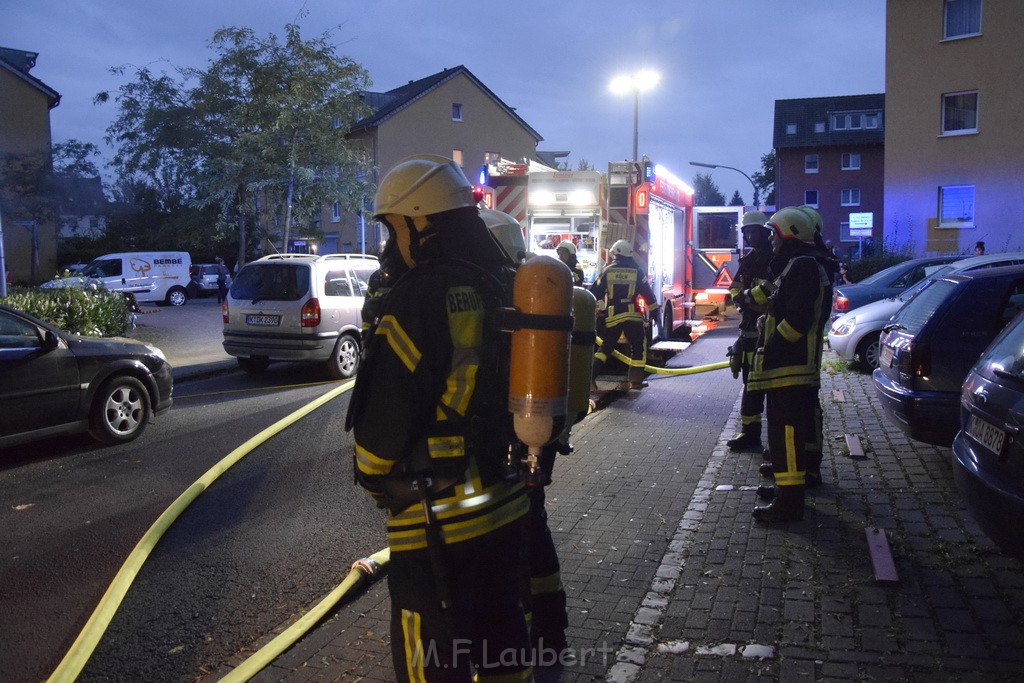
(635, 83)
(754, 199)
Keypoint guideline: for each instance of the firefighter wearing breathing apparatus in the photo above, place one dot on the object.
(787, 365)
(752, 272)
(432, 434)
(617, 289)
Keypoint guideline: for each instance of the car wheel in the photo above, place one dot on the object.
(868, 350)
(344, 362)
(253, 365)
(177, 297)
(120, 411)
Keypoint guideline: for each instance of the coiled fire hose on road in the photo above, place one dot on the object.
(674, 372)
(83, 647)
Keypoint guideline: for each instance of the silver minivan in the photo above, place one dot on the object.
(298, 307)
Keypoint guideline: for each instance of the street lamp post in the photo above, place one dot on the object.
(635, 83)
(754, 198)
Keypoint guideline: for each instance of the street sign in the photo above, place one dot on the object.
(861, 224)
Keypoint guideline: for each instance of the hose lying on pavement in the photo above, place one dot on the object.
(367, 568)
(674, 372)
(83, 647)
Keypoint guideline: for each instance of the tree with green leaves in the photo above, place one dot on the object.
(706, 192)
(736, 200)
(764, 179)
(259, 134)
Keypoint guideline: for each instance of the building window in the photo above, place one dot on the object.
(456, 111)
(857, 120)
(851, 161)
(335, 212)
(811, 198)
(960, 113)
(819, 127)
(810, 163)
(457, 156)
(850, 197)
(790, 129)
(962, 18)
(492, 157)
(956, 206)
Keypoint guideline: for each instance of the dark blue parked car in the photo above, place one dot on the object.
(931, 343)
(988, 453)
(884, 284)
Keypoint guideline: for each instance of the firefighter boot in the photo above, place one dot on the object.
(748, 440)
(766, 492)
(788, 506)
(767, 470)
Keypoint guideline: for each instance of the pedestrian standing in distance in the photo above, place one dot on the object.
(787, 365)
(616, 290)
(750, 275)
(843, 278)
(222, 279)
(566, 251)
(432, 436)
(979, 248)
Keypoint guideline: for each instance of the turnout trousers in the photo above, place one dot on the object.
(793, 418)
(485, 577)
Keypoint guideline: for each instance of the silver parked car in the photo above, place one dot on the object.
(298, 307)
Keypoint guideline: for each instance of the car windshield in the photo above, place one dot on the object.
(913, 316)
(102, 268)
(271, 281)
(1006, 354)
(912, 291)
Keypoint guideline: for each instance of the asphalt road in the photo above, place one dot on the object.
(270, 537)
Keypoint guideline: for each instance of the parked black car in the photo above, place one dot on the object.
(988, 453)
(931, 343)
(52, 383)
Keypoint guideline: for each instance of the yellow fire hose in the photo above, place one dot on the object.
(83, 647)
(673, 372)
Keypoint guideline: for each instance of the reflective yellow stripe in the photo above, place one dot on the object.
(541, 585)
(517, 677)
(459, 388)
(460, 520)
(399, 342)
(413, 641)
(787, 331)
(446, 446)
(759, 295)
(368, 463)
(792, 476)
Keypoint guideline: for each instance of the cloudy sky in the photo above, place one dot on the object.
(723, 62)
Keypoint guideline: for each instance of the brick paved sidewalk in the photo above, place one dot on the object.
(669, 579)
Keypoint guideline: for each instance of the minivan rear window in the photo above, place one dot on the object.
(271, 282)
(916, 312)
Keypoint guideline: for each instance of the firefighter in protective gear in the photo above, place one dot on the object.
(617, 289)
(566, 251)
(787, 365)
(432, 435)
(506, 229)
(752, 272)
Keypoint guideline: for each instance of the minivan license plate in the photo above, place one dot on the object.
(885, 357)
(263, 320)
(987, 434)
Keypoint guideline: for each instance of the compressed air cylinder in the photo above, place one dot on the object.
(539, 368)
(581, 352)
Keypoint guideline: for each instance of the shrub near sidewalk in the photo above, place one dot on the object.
(93, 311)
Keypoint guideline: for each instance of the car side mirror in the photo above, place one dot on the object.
(50, 341)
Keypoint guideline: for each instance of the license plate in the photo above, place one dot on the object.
(987, 434)
(263, 320)
(885, 357)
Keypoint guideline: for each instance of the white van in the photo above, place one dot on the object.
(161, 277)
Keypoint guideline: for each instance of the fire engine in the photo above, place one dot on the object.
(688, 252)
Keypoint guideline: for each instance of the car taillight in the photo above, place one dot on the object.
(840, 303)
(224, 310)
(920, 359)
(310, 314)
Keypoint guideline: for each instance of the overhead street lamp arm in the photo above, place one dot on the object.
(702, 164)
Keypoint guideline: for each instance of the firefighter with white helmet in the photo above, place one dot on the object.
(752, 272)
(617, 290)
(506, 229)
(566, 251)
(787, 365)
(432, 432)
